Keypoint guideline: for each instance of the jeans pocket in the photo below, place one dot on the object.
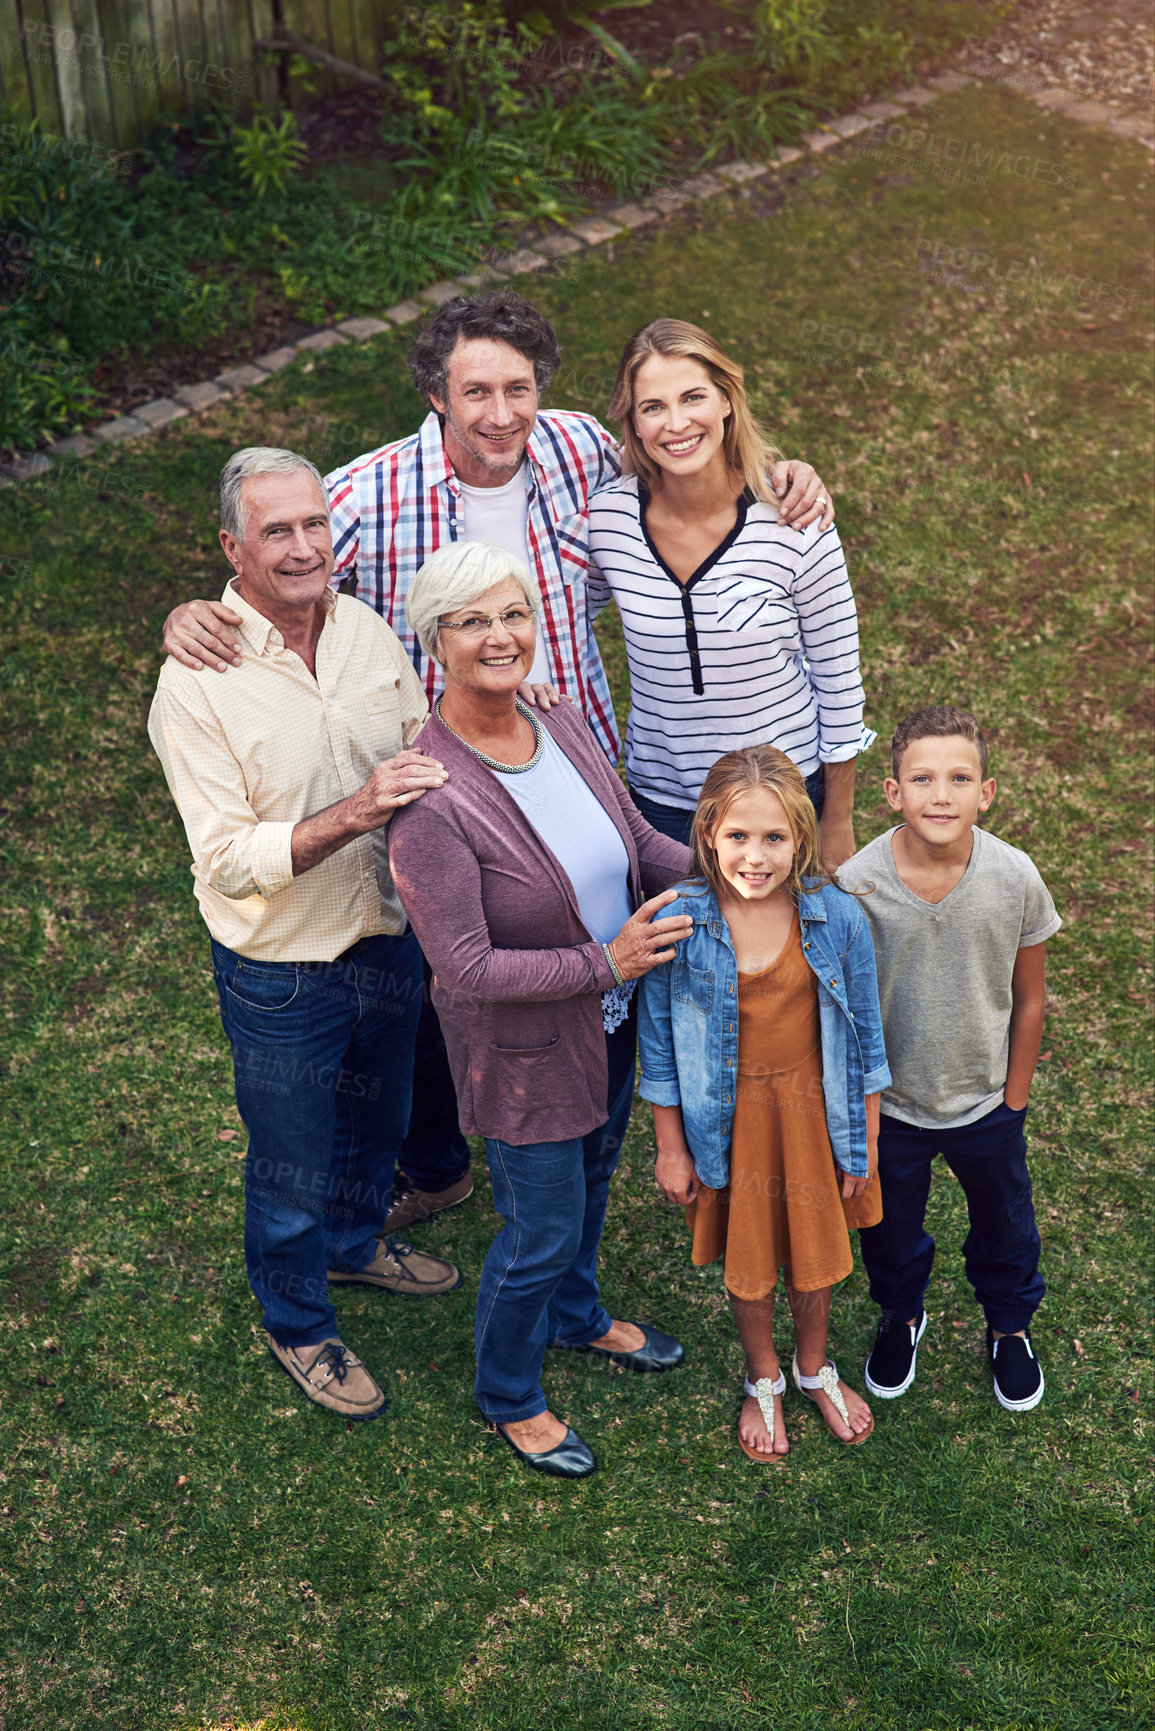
(263, 985)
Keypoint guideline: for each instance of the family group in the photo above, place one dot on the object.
(437, 910)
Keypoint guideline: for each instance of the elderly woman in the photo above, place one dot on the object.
(739, 630)
(521, 876)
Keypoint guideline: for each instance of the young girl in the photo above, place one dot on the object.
(762, 1054)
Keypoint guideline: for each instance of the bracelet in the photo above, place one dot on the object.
(619, 977)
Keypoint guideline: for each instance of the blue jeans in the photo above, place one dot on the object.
(1001, 1250)
(677, 821)
(539, 1285)
(434, 1154)
(323, 1066)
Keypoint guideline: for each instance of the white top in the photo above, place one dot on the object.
(500, 515)
(247, 757)
(760, 646)
(574, 825)
(944, 975)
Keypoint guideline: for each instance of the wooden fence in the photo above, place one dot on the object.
(103, 70)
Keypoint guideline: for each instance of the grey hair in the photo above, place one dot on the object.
(256, 460)
(454, 576)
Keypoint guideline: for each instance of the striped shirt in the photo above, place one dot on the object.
(760, 646)
(394, 507)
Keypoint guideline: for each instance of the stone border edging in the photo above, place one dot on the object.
(592, 231)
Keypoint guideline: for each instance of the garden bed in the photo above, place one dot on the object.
(228, 239)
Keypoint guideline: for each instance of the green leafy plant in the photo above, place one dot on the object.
(552, 15)
(268, 154)
(793, 37)
(712, 106)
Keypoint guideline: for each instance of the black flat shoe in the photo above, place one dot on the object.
(660, 1352)
(571, 1459)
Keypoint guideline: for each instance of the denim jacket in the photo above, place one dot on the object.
(688, 1028)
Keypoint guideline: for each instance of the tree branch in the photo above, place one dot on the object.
(285, 42)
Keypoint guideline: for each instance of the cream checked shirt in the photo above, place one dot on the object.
(249, 753)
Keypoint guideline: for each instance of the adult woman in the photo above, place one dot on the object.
(738, 631)
(519, 881)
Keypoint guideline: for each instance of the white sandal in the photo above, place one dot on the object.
(765, 1391)
(826, 1382)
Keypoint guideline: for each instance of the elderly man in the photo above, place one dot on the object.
(286, 776)
(485, 465)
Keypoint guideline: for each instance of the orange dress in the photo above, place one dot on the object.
(783, 1206)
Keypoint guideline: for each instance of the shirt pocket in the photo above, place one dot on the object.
(757, 609)
(693, 986)
(573, 546)
(374, 721)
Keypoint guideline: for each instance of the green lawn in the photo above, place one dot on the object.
(185, 1544)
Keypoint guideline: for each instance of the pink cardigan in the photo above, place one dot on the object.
(517, 978)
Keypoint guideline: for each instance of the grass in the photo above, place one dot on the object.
(184, 1543)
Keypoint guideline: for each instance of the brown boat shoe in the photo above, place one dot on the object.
(398, 1267)
(332, 1376)
(410, 1205)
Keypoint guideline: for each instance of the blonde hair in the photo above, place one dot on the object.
(740, 772)
(747, 448)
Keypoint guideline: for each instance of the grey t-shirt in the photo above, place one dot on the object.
(944, 975)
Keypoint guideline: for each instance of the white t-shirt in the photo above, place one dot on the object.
(574, 825)
(500, 515)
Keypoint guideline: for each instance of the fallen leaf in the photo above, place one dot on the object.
(180, 1481)
(226, 1135)
(1079, 1348)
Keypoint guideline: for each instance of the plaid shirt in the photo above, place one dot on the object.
(394, 507)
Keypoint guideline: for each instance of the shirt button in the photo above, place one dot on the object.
(806, 946)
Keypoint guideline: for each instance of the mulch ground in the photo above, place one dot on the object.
(1105, 53)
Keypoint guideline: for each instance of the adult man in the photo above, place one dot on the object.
(286, 776)
(485, 465)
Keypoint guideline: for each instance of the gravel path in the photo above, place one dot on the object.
(1100, 53)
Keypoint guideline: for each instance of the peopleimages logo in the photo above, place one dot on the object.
(124, 62)
(977, 270)
(959, 158)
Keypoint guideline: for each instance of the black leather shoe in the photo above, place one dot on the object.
(660, 1352)
(571, 1459)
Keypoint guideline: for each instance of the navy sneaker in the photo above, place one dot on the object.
(1017, 1372)
(891, 1365)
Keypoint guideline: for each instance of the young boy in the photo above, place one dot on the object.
(959, 920)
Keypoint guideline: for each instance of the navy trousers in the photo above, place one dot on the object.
(434, 1154)
(1001, 1250)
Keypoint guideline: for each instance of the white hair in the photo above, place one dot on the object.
(257, 460)
(455, 576)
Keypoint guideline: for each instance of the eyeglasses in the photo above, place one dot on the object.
(514, 619)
